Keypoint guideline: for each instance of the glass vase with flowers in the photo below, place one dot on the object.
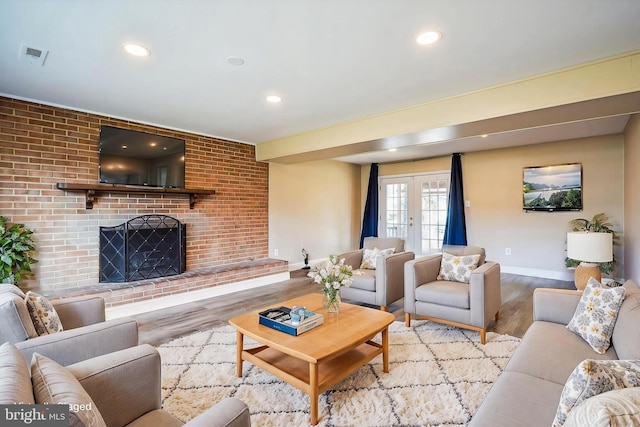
(332, 275)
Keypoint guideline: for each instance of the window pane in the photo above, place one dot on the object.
(397, 215)
(434, 214)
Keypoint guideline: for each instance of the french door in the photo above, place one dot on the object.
(414, 208)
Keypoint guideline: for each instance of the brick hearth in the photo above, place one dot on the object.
(116, 294)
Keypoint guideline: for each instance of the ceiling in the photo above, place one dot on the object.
(331, 61)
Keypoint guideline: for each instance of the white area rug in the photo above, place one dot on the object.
(438, 376)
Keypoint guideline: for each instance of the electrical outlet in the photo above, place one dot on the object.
(276, 252)
(507, 251)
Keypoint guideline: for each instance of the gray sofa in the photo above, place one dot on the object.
(86, 333)
(125, 387)
(528, 392)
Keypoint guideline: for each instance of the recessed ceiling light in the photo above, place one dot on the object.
(429, 37)
(137, 50)
(234, 60)
(274, 99)
(392, 150)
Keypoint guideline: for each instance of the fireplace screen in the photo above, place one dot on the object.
(145, 247)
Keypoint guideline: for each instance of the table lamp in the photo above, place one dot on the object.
(590, 249)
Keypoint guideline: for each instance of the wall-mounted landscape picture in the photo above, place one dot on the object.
(552, 188)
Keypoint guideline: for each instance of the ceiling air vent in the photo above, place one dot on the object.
(33, 55)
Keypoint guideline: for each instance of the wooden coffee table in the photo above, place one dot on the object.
(316, 360)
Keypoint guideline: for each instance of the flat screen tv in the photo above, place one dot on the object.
(552, 188)
(129, 157)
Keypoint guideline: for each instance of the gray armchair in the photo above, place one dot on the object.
(125, 387)
(471, 306)
(385, 284)
(86, 334)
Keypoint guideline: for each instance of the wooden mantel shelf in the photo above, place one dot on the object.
(91, 189)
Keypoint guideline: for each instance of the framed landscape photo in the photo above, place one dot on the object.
(552, 188)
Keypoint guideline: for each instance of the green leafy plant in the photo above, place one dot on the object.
(17, 249)
(598, 224)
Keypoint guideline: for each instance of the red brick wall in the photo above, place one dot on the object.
(42, 145)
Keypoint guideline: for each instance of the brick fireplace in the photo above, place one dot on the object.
(41, 146)
(145, 247)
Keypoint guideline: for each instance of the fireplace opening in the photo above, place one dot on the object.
(144, 247)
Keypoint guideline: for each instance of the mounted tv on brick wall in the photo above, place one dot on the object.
(129, 157)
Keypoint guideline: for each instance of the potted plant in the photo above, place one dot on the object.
(16, 251)
(598, 224)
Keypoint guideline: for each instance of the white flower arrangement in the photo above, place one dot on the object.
(332, 275)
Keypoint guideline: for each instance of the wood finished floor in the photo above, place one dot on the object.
(160, 326)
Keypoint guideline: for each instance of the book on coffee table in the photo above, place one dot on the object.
(279, 318)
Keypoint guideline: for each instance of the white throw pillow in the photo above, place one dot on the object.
(457, 268)
(615, 408)
(371, 255)
(44, 316)
(596, 314)
(593, 377)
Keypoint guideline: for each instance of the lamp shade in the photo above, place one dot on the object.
(590, 247)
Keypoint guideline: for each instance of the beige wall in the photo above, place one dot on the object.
(493, 185)
(631, 199)
(315, 205)
(320, 204)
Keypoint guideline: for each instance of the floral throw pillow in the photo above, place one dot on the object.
(370, 255)
(44, 316)
(457, 268)
(596, 314)
(593, 377)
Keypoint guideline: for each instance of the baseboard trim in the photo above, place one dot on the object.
(521, 271)
(299, 265)
(534, 272)
(186, 297)
(191, 296)
(296, 266)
